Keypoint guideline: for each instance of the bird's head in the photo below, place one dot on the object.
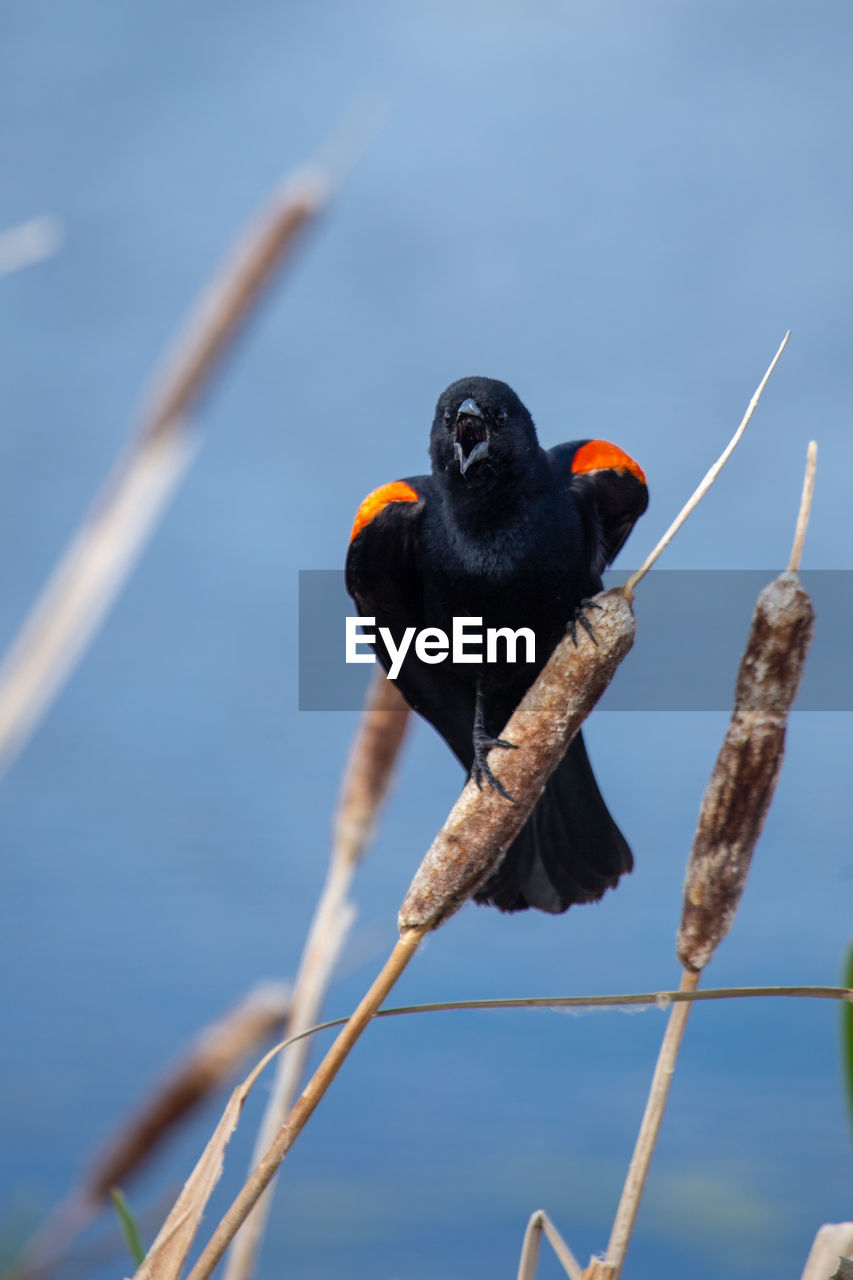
(481, 431)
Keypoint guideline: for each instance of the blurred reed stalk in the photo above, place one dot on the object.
(580, 674)
(29, 242)
(367, 777)
(540, 1224)
(100, 556)
(476, 834)
(731, 817)
(103, 551)
(208, 1064)
(831, 1253)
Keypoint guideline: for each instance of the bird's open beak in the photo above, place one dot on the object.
(472, 434)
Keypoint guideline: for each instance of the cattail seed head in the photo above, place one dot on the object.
(744, 778)
(482, 825)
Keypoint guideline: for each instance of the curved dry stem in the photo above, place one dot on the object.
(805, 508)
(29, 242)
(367, 778)
(469, 845)
(101, 554)
(643, 999)
(475, 836)
(208, 1063)
(162, 1263)
(632, 1192)
(301, 1113)
(705, 484)
(833, 1246)
(540, 1224)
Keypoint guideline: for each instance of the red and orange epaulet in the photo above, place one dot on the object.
(601, 455)
(396, 491)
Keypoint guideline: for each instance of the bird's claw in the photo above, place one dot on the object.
(480, 770)
(483, 744)
(580, 619)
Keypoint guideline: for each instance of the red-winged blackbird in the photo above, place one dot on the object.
(508, 533)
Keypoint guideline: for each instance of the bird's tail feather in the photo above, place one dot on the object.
(570, 850)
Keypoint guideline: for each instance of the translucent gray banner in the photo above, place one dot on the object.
(691, 632)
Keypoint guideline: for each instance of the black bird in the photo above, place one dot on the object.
(508, 533)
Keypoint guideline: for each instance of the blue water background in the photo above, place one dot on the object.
(619, 209)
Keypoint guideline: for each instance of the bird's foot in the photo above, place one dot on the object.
(480, 770)
(579, 619)
(483, 744)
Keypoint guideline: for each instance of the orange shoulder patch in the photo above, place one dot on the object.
(601, 455)
(397, 491)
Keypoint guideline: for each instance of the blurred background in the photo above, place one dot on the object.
(617, 208)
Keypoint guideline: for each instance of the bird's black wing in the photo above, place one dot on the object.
(570, 849)
(384, 577)
(610, 489)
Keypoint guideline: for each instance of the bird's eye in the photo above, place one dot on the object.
(501, 415)
(447, 417)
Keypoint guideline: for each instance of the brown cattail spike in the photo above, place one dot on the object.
(208, 1065)
(481, 826)
(742, 784)
(370, 768)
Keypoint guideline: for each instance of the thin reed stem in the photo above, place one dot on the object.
(632, 1192)
(805, 508)
(708, 479)
(317, 1086)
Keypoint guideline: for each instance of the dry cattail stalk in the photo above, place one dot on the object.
(225, 305)
(370, 767)
(731, 816)
(29, 242)
(168, 1253)
(708, 479)
(207, 1065)
(662, 999)
(627, 1000)
(744, 779)
(366, 781)
(551, 712)
(545, 722)
(480, 828)
(540, 1224)
(805, 508)
(481, 825)
(104, 549)
(609, 1267)
(290, 1130)
(832, 1248)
